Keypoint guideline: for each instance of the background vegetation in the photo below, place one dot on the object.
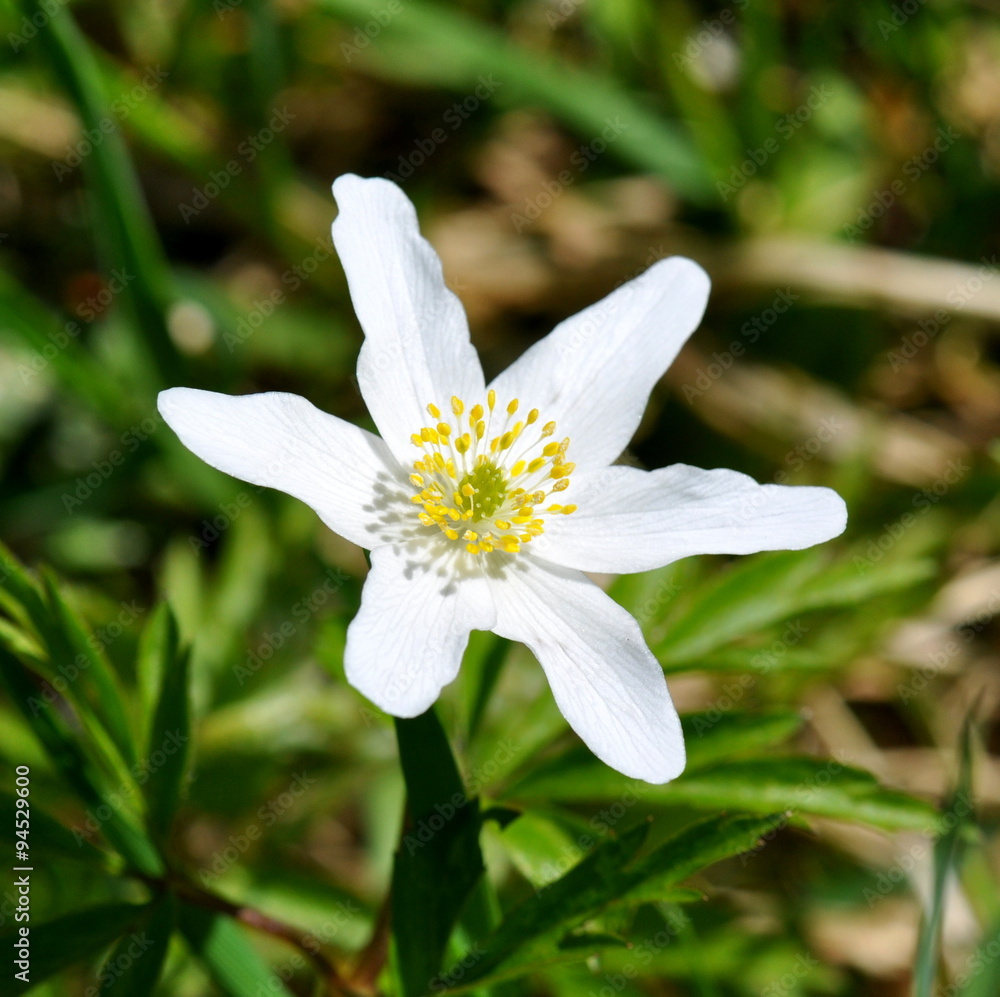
(212, 807)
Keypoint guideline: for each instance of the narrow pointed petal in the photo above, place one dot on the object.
(417, 610)
(604, 678)
(282, 441)
(417, 348)
(593, 373)
(630, 520)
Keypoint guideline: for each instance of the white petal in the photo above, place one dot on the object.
(630, 520)
(282, 441)
(604, 678)
(593, 373)
(419, 603)
(417, 348)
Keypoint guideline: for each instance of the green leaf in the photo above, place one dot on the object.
(159, 644)
(169, 738)
(131, 243)
(713, 735)
(70, 939)
(534, 932)
(946, 858)
(222, 946)
(760, 786)
(76, 767)
(439, 861)
(760, 591)
(433, 43)
(135, 965)
(91, 659)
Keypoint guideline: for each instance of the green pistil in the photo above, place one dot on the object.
(490, 484)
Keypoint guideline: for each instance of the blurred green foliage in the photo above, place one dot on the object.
(213, 809)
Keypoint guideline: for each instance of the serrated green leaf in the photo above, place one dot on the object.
(76, 767)
(70, 939)
(94, 662)
(761, 591)
(712, 735)
(169, 738)
(135, 965)
(532, 934)
(759, 786)
(439, 861)
(222, 947)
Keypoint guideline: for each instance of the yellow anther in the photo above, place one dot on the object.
(470, 535)
(468, 491)
(550, 449)
(434, 411)
(512, 407)
(527, 511)
(563, 470)
(486, 547)
(491, 398)
(564, 446)
(554, 508)
(425, 519)
(417, 442)
(475, 414)
(416, 479)
(451, 534)
(536, 464)
(506, 440)
(444, 429)
(463, 443)
(472, 548)
(525, 538)
(457, 405)
(567, 509)
(532, 416)
(502, 524)
(560, 486)
(454, 515)
(439, 461)
(480, 429)
(548, 429)
(516, 470)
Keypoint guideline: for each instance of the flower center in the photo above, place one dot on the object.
(483, 485)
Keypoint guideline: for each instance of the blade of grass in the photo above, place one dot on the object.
(446, 46)
(131, 242)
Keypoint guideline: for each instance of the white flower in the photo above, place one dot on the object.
(482, 505)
